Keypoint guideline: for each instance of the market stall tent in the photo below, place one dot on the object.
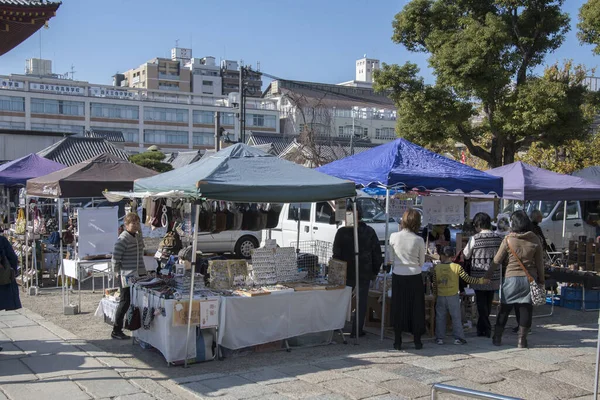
(592, 174)
(18, 171)
(245, 174)
(88, 179)
(526, 182)
(402, 164)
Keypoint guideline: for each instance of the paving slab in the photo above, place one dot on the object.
(310, 373)
(3, 337)
(29, 333)
(473, 374)
(106, 383)
(388, 396)
(14, 371)
(65, 364)
(371, 375)
(235, 386)
(512, 388)
(529, 364)
(354, 389)
(421, 375)
(44, 347)
(54, 389)
(342, 365)
(433, 363)
(581, 379)
(300, 390)
(198, 378)
(267, 376)
(17, 321)
(542, 383)
(137, 396)
(407, 387)
(10, 350)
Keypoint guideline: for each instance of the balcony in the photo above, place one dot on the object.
(168, 77)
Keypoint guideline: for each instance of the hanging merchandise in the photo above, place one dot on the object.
(170, 244)
(273, 216)
(51, 225)
(21, 223)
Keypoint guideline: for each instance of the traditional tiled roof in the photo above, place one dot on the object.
(323, 153)
(22, 18)
(267, 148)
(111, 136)
(73, 150)
(278, 141)
(183, 158)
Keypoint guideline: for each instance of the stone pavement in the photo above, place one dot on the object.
(43, 361)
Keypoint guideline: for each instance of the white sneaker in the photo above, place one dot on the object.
(460, 341)
(439, 341)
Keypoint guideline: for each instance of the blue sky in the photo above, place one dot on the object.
(312, 40)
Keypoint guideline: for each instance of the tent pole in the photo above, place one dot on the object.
(194, 250)
(385, 258)
(597, 361)
(298, 233)
(28, 284)
(60, 234)
(356, 253)
(564, 230)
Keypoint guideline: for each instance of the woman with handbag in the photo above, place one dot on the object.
(9, 289)
(521, 252)
(128, 264)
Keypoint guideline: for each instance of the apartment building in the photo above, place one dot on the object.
(173, 120)
(230, 72)
(158, 74)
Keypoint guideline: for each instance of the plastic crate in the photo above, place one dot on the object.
(555, 298)
(576, 304)
(576, 293)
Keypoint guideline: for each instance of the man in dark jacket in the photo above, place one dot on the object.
(369, 262)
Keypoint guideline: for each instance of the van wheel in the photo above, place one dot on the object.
(245, 245)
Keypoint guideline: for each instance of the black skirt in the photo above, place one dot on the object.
(408, 304)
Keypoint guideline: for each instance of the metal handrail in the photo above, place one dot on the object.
(474, 394)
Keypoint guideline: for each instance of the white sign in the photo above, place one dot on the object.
(209, 313)
(481, 206)
(8, 84)
(114, 93)
(443, 210)
(340, 210)
(398, 207)
(98, 231)
(60, 89)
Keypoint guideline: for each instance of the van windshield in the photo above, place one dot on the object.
(370, 209)
(545, 207)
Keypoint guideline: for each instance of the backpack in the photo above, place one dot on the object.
(170, 244)
(6, 271)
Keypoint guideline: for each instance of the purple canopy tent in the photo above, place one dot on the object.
(17, 172)
(526, 182)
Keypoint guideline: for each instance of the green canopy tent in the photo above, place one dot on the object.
(241, 173)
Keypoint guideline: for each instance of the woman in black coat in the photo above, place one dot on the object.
(9, 294)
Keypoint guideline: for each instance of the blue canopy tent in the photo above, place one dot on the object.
(404, 165)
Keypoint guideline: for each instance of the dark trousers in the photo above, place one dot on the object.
(523, 311)
(124, 302)
(484, 299)
(363, 296)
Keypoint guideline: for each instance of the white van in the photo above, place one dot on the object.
(578, 212)
(317, 221)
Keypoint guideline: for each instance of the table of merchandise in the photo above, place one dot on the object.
(250, 321)
(107, 308)
(162, 335)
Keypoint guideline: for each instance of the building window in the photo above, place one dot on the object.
(207, 83)
(260, 120)
(9, 103)
(12, 125)
(385, 133)
(204, 117)
(204, 139)
(165, 114)
(76, 129)
(61, 107)
(114, 111)
(152, 136)
(227, 118)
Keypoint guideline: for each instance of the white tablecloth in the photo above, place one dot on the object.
(162, 335)
(107, 308)
(250, 321)
(101, 267)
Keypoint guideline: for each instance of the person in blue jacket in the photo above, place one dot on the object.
(9, 294)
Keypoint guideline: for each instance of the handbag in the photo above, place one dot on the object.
(20, 224)
(538, 294)
(6, 271)
(133, 318)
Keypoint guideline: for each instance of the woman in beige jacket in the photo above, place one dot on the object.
(520, 249)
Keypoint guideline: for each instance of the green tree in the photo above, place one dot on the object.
(152, 159)
(486, 96)
(589, 24)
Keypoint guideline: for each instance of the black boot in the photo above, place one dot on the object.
(418, 343)
(497, 339)
(522, 340)
(398, 341)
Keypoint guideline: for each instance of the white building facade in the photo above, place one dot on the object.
(173, 121)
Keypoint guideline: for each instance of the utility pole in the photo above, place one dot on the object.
(352, 136)
(242, 108)
(217, 131)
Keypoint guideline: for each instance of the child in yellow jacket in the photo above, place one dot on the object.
(445, 287)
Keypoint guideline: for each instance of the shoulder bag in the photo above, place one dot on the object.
(538, 294)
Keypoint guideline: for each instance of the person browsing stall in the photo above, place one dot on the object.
(445, 288)
(369, 263)
(9, 292)
(128, 264)
(408, 292)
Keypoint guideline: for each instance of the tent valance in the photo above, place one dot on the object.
(245, 174)
(18, 171)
